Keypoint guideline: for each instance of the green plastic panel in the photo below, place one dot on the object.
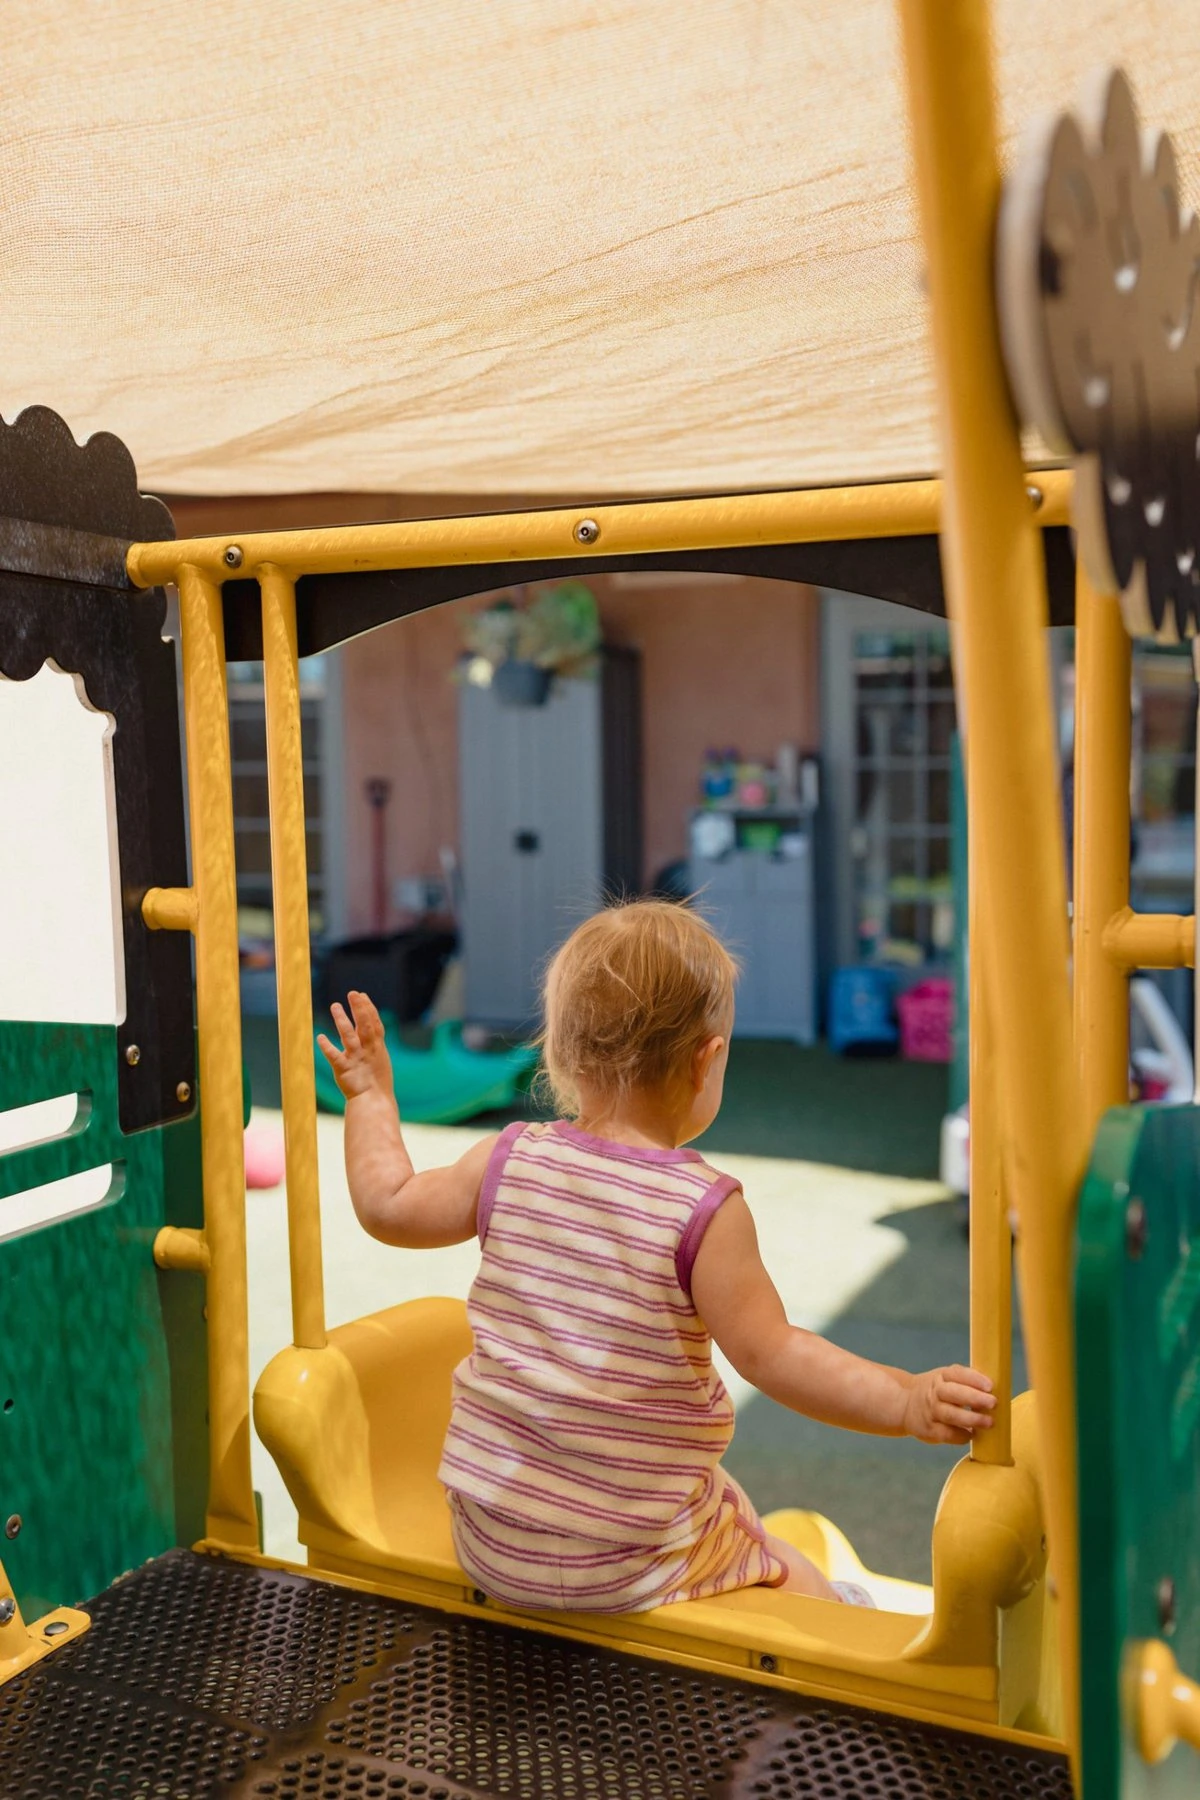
(103, 1374)
(1137, 1316)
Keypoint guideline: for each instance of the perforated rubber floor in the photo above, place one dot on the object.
(206, 1680)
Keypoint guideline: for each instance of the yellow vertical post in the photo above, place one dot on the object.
(293, 956)
(995, 584)
(991, 1237)
(231, 1512)
(1103, 663)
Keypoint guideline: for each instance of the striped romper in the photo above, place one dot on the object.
(583, 1456)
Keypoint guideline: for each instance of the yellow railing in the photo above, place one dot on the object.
(276, 560)
(210, 908)
(638, 528)
(293, 956)
(996, 595)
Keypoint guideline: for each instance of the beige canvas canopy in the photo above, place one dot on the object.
(534, 246)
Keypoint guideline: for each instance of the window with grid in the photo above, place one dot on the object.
(248, 744)
(904, 726)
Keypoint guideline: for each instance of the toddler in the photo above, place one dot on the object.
(583, 1457)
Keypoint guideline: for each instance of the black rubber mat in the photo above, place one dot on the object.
(207, 1680)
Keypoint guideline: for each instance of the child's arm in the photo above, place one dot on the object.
(393, 1203)
(737, 1300)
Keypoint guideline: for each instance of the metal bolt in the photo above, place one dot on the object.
(478, 1596)
(133, 1055)
(12, 1525)
(183, 1093)
(1164, 1594)
(1034, 494)
(55, 1628)
(1135, 1229)
(767, 1663)
(233, 556)
(8, 1609)
(587, 531)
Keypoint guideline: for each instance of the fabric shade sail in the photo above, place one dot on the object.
(539, 247)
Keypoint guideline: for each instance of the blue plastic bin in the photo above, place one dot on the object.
(861, 1009)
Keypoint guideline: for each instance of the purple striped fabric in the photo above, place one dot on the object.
(583, 1455)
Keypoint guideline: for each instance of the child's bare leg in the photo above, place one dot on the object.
(804, 1577)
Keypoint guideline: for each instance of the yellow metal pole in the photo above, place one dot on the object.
(995, 583)
(1103, 661)
(991, 1236)
(293, 956)
(231, 1514)
(810, 515)
(1151, 940)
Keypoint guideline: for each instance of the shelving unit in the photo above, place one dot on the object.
(763, 905)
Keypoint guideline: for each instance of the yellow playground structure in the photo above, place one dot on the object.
(1058, 1648)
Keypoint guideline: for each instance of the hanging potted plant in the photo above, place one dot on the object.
(519, 643)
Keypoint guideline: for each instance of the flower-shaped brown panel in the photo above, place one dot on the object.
(1097, 272)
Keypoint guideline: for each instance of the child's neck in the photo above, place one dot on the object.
(643, 1121)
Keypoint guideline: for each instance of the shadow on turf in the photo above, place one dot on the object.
(882, 1492)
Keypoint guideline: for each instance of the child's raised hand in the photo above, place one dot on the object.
(362, 1063)
(948, 1406)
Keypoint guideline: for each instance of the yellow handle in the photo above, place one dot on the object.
(1166, 1703)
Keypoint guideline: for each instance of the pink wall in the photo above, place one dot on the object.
(728, 663)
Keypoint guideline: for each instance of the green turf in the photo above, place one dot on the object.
(878, 1114)
(882, 1492)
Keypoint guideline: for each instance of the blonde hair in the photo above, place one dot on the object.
(630, 997)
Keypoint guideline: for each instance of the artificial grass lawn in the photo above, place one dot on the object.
(877, 1114)
(882, 1492)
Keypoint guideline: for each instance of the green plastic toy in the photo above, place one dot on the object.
(445, 1083)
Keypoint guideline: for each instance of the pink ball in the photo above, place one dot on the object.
(264, 1156)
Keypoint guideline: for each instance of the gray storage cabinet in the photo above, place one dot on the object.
(762, 908)
(550, 820)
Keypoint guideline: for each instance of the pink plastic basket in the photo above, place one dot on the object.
(927, 1021)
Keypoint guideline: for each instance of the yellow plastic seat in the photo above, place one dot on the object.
(356, 1429)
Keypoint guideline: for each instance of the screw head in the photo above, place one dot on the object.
(478, 1597)
(233, 556)
(12, 1525)
(767, 1663)
(133, 1055)
(8, 1609)
(1164, 1595)
(183, 1093)
(587, 531)
(1135, 1228)
(55, 1628)
(1034, 494)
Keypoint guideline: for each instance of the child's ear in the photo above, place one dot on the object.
(706, 1055)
